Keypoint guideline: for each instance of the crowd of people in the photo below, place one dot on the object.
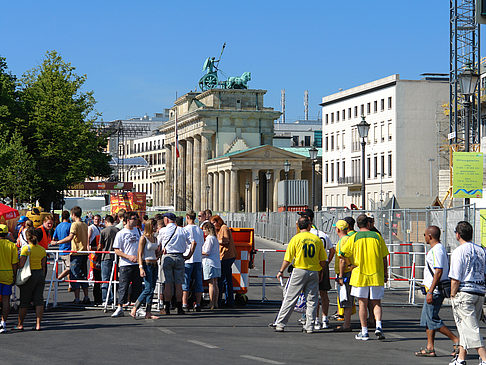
(361, 267)
(188, 255)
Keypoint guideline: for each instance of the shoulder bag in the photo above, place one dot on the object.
(444, 287)
(24, 273)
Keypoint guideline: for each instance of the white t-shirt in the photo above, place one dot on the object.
(324, 238)
(436, 259)
(467, 266)
(195, 235)
(211, 248)
(127, 242)
(174, 242)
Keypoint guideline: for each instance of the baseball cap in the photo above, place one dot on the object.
(341, 225)
(307, 213)
(23, 219)
(3, 229)
(170, 216)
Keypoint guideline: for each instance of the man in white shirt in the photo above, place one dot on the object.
(467, 292)
(436, 270)
(174, 242)
(126, 248)
(193, 266)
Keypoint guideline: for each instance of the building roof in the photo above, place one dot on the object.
(303, 151)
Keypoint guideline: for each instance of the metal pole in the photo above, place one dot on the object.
(268, 197)
(467, 109)
(363, 177)
(286, 191)
(313, 184)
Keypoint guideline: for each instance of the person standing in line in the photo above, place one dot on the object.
(227, 253)
(126, 248)
(147, 263)
(32, 291)
(45, 231)
(193, 266)
(367, 253)
(201, 218)
(436, 270)
(107, 237)
(211, 263)
(467, 272)
(307, 253)
(173, 244)
(21, 227)
(94, 231)
(342, 230)
(78, 235)
(120, 221)
(8, 272)
(62, 231)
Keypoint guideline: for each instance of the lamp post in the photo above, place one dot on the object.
(363, 129)
(468, 81)
(247, 187)
(257, 182)
(268, 176)
(313, 156)
(286, 188)
(208, 188)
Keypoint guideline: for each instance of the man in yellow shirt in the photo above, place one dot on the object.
(309, 257)
(367, 253)
(8, 272)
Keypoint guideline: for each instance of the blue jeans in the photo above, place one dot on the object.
(106, 267)
(149, 282)
(225, 282)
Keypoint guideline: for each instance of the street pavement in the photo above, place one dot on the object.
(237, 336)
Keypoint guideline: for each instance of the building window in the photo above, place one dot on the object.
(368, 163)
(344, 169)
(307, 140)
(356, 112)
(327, 172)
(375, 133)
(368, 108)
(344, 115)
(332, 142)
(389, 102)
(389, 164)
(382, 104)
(337, 171)
(337, 140)
(332, 117)
(362, 109)
(349, 113)
(332, 172)
(376, 166)
(342, 143)
(327, 118)
(295, 140)
(383, 164)
(375, 106)
(382, 130)
(337, 116)
(327, 143)
(389, 131)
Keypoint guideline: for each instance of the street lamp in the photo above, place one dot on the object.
(468, 81)
(363, 129)
(257, 182)
(286, 188)
(313, 156)
(268, 176)
(247, 187)
(207, 195)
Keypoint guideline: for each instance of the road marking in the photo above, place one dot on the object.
(203, 344)
(166, 330)
(261, 359)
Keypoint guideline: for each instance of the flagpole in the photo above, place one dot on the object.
(176, 144)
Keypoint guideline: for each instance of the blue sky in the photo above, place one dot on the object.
(137, 55)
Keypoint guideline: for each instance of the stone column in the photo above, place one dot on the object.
(276, 180)
(181, 176)
(216, 191)
(221, 191)
(189, 168)
(196, 189)
(168, 174)
(205, 149)
(227, 190)
(254, 191)
(298, 174)
(235, 191)
(155, 195)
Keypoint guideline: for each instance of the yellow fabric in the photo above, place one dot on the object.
(37, 253)
(8, 256)
(306, 250)
(339, 245)
(366, 249)
(80, 239)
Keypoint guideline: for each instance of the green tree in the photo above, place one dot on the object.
(60, 135)
(18, 176)
(10, 104)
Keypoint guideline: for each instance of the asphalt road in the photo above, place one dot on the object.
(238, 336)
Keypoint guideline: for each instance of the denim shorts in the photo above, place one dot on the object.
(430, 313)
(211, 272)
(193, 270)
(173, 269)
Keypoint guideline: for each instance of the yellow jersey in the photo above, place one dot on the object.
(366, 250)
(37, 253)
(340, 244)
(306, 250)
(8, 257)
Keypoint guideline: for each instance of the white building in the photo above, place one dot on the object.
(403, 138)
(301, 133)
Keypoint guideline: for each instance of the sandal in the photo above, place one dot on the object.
(426, 353)
(455, 349)
(343, 329)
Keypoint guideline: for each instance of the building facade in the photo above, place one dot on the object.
(402, 147)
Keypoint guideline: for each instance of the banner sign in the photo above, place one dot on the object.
(467, 177)
(131, 202)
(102, 185)
(482, 214)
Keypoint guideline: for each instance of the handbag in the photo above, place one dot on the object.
(24, 273)
(444, 287)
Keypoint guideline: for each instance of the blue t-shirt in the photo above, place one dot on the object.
(62, 231)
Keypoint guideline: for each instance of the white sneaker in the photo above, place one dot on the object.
(362, 337)
(456, 361)
(302, 320)
(325, 324)
(317, 325)
(379, 333)
(141, 312)
(3, 329)
(118, 312)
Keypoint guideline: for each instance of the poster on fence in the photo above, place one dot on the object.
(482, 214)
(467, 177)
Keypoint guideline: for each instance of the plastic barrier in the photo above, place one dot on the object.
(245, 247)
